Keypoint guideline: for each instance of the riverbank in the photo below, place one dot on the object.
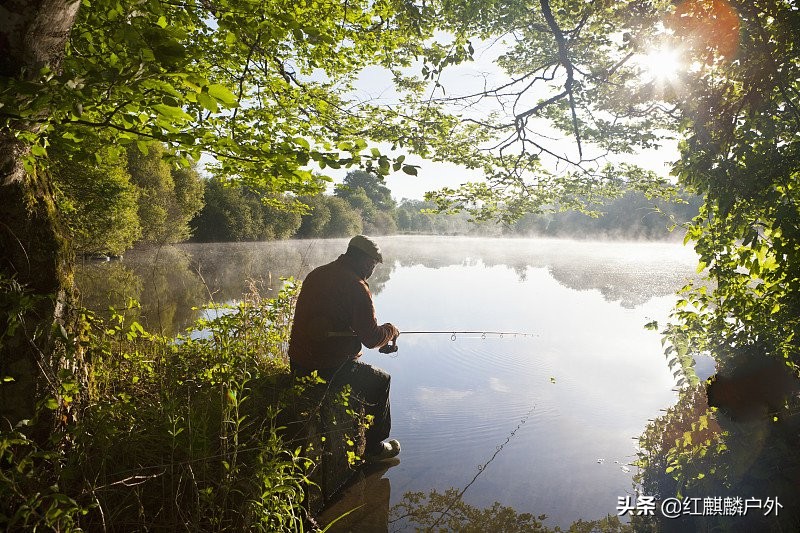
(175, 435)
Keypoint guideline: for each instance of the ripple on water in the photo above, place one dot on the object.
(475, 356)
(487, 396)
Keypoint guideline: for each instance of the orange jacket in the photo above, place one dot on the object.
(334, 299)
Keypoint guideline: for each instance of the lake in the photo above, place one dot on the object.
(547, 422)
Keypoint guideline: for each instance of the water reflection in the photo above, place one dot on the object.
(594, 374)
(162, 280)
(169, 281)
(363, 506)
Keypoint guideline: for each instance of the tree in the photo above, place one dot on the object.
(188, 195)
(381, 223)
(367, 193)
(227, 215)
(168, 198)
(281, 217)
(371, 184)
(317, 217)
(344, 222)
(234, 213)
(35, 258)
(98, 201)
(229, 78)
(411, 218)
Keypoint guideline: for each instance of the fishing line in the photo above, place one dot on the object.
(483, 334)
(481, 469)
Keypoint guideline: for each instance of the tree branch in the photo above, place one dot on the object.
(564, 59)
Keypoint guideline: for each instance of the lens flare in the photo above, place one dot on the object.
(709, 29)
(662, 64)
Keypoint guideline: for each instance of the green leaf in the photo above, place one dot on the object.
(207, 102)
(223, 94)
(172, 112)
(409, 169)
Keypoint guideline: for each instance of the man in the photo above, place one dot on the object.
(334, 316)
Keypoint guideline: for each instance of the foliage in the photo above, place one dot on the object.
(686, 444)
(367, 193)
(165, 204)
(111, 203)
(372, 186)
(170, 438)
(549, 132)
(693, 451)
(234, 213)
(317, 217)
(98, 200)
(330, 216)
(188, 193)
(229, 78)
(344, 221)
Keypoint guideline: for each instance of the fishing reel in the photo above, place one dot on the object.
(389, 347)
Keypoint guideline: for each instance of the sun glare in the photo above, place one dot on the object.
(662, 64)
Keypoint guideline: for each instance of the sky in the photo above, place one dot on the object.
(374, 84)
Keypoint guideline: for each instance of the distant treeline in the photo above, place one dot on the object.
(631, 216)
(114, 203)
(363, 204)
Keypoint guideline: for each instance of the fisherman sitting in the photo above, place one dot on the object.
(334, 316)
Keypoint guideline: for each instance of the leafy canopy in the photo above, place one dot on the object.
(263, 87)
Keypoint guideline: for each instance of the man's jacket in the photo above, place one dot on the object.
(334, 317)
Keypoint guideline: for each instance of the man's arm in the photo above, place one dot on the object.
(364, 322)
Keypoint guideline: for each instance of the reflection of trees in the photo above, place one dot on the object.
(436, 511)
(171, 289)
(160, 279)
(693, 452)
(107, 284)
(629, 287)
(170, 280)
(379, 278)
(614, 276)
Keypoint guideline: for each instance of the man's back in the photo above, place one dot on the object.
(334, 299)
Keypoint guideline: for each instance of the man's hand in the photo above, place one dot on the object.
(390, 347)
(395, 331)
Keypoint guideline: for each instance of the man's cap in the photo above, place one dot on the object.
(366, 245)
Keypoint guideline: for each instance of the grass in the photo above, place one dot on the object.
(168, 440)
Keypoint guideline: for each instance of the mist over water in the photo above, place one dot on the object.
(585, 385)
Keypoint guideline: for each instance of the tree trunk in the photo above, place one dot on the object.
(35, 258)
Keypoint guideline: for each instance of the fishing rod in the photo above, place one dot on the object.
(392, 347)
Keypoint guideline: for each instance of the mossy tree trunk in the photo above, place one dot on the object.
(34, 249)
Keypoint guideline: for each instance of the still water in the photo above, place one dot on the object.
(548, 422)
